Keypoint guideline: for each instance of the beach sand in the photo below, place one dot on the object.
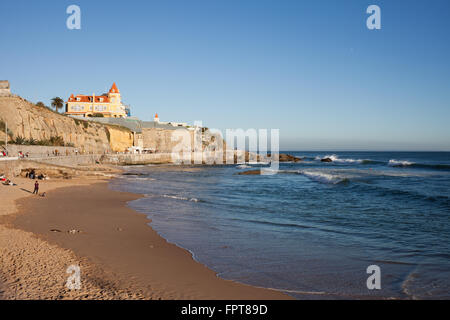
(119, 255)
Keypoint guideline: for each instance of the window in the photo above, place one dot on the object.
(77, 108)
(100, 108)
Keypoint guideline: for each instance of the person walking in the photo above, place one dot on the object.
(36, 187)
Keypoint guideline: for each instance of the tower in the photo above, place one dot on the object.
(156, 119)
(114, 95)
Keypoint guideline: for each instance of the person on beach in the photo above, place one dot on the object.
(36, 187)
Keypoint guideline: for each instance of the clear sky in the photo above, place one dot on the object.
(309, 68)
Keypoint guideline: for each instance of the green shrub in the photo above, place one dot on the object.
(31, 142)
(19, 140)
(56, 141)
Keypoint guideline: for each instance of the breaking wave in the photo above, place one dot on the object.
(181, 198)
(243, 166)
(399, 163)
(324, 177)
(336, 159)
(391, 163)
(404, 163)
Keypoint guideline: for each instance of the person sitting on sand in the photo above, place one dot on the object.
(8, 183)
(36, 187)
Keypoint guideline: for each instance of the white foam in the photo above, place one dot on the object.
(323, 177)
(243, 166)
(180, 198)
(335, 158)
(396, 163)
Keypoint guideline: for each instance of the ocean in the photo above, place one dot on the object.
(313, 229)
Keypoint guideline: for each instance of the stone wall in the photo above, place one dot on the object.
(9, 168)
(69, 161)
(56, 165)
(135, 159)
(38, 151)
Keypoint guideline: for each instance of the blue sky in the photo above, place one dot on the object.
(309, 68)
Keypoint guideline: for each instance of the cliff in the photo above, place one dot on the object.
(29, 121)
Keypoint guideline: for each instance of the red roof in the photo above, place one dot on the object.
(84, 98)
(114, 89)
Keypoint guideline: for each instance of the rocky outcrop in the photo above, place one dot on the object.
(326, 160)
(29, 121)
(250, 172)
(120, 139)
(284, 157)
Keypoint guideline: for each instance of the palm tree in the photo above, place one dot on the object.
(57, 103)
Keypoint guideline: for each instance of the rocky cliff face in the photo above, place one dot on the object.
(120, 139)
(27, 120)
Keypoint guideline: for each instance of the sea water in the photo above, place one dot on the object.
(312, 229)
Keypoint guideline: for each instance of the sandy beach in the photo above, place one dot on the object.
(119, 254)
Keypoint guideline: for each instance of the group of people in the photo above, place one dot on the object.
(32, 175)
(23, 155)
(20, 154)
(5, 181)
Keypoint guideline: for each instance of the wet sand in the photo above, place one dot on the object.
(120, 256)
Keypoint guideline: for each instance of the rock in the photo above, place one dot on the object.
(250, 172)
(284, 157)
(326, 160)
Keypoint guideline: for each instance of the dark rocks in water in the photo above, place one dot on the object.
(284, 157)
(250, 172)
(326, 160)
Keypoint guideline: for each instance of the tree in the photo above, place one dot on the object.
(57, 103)
(40, 104)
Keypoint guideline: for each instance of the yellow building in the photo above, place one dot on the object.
(108, 105)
